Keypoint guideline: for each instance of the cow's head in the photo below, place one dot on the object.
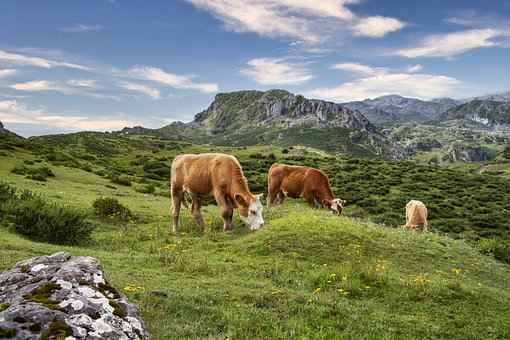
(250, 210)
(335, 205)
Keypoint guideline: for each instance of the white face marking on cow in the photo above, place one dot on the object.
(337, 205)
(254, 220)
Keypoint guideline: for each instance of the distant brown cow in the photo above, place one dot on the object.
(416, 216)
(219, 176)
(301, 181)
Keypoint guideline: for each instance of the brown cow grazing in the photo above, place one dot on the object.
(301, 181)
(416, 216)
(219, 176)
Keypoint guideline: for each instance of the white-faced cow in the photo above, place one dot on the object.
(214, 175)
(416, 216)
(301, 181)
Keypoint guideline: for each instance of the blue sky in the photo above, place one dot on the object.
(104, 64)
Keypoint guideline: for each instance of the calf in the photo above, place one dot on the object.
(416, 216)
(301, 181)
(219, 176)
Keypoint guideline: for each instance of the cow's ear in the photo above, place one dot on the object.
(259, 196)
(240, 200)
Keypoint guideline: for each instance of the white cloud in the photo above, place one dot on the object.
(40, 86)
(414, 68)
(80, 28)
(377, 26)
(85, 83)
(72, 87)
(158, 75)
(371, 85)
(271, 71)
(21, 59)
(6, 72)
(305, 20)
(149, 91)
(13, 111)
(358, 68)
(452, 44)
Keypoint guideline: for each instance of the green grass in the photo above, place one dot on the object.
(306, 274)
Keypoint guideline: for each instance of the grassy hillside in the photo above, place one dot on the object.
(307, 274)
(461, 203)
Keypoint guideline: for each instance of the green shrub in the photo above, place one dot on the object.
(121, 180)
(36, 219)
(7, 192)
(156, 170)
(111, 208)
(498, 248)
(38, 174)
(146, 188)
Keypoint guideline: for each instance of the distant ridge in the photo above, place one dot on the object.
(393, 108)
(487, 112)
(5, 132)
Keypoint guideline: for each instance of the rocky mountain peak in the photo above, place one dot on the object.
(276, 108)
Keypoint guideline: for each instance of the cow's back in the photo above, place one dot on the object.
(416, 213)
(200, 173)
(289, 178)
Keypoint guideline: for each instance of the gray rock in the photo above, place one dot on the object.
(463, 153)
(68, 296)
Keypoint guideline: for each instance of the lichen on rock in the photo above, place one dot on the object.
(64, 296)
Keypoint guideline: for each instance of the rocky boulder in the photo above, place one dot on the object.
(62, 296)
(464, 153)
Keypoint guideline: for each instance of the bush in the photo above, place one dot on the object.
(156, 170)
(38, 174)
(500, 249)
(38, 220)
(146, 188)
(111, 208)
(121, 180)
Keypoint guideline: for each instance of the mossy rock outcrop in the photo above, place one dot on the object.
(60, 296)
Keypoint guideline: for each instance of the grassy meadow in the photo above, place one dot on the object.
(307, 274)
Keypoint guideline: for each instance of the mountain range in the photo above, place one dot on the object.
(487, 112)
(394, 108)
(278, 117)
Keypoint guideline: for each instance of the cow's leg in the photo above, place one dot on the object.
(273, 191)
(280, 197)
(226, 209)
(177, 196)
(195, 210)
(310, 198)
(227, 214)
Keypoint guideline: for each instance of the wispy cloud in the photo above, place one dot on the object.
(158, 75)
(14, 111)
(85, 83)
(22, 59)
(374, 82)
(6, 72)
(358, 68)
(414, 68)
(147, 90)
(453, 44)
(274, 71)
(305, 20)
(83, 87)
(80, 28)
(41, 85)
